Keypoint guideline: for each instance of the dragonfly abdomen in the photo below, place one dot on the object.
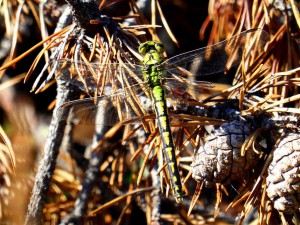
(159, 102)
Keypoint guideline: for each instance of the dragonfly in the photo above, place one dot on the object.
(130, 90)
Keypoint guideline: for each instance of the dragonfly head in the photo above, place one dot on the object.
(151, 50)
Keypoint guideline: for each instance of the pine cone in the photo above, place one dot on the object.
(283, 180)
(219, 160)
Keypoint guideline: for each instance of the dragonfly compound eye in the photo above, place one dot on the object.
(159, 47)
(143, 48)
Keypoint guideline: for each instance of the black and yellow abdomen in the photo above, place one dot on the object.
(158, 97)
(153, 74)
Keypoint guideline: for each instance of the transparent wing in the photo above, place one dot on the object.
(121, 86)
(94, 77)
(107, 110)
(117, 92)
(215, 58)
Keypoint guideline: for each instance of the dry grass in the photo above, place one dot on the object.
(265, 84)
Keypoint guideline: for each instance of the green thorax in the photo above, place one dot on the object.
(152, 71)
